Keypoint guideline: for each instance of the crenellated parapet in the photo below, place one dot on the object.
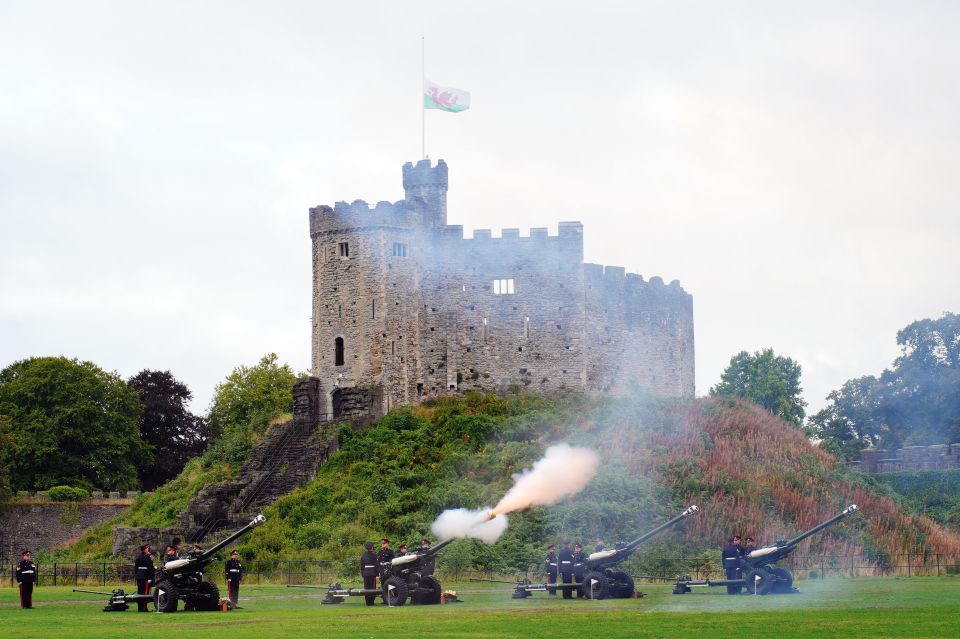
(629, 292)
(358, 214)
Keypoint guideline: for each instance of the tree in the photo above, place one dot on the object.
(853, 419)
(174, 432)
(767, 380)
(73, 424)
(246, 402)
(917, 401)
(7, 451)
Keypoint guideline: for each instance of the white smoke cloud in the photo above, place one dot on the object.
(564, 470)
(460, 522)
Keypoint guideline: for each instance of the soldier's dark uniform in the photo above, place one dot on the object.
(579, 568)
(550, 564)
(430, 564)
(26, 577)
(731, 563)
(369, 570)
(233, 573)
(385, 556)
(565, 557)
(144, 571)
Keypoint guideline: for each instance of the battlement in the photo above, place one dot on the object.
(566, 230)
(423, 174)
(346, 215)
(616, 276)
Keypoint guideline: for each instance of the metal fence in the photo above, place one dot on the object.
(280, 571)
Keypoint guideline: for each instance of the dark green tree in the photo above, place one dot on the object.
(7, 451)
(245, 403)
(767, 380)
(853, 419)
(73, 424)
(175, 433)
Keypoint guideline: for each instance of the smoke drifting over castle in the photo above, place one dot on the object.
(405, 307)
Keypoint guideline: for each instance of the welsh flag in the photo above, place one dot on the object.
(444, 98)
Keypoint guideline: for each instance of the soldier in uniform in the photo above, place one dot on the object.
(579, 557)
(143, 572)
(750, 546)
(171, 554)
(600, 545)
(369, 569)
(233, 572)
(566, 567)
(26, 577)
(402, 550)
(386, 553)
(550, 564)
(731, 562)
(429, 565)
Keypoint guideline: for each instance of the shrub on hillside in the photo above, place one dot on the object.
(67, 493)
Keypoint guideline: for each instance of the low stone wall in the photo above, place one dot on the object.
(127, 541)
(43, 526)
(936, 457)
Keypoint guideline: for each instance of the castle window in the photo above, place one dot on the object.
(338, 352)
(344, 249)
(484, 336)
(526, 327)
(399, 250)
(373, 309)
(503, 287)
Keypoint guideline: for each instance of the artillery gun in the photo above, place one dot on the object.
(600, 580)
(183, 578)
(761, 577)
(401, 578)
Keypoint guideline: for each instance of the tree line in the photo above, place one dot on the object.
(66, 422)
(914, 402)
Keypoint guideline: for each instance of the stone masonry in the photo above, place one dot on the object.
(404, 305)
(936, 457)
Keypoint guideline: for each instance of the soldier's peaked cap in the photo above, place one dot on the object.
(368, 545)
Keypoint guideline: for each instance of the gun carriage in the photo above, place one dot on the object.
(760, 575)
(401, 579)
(600, 577)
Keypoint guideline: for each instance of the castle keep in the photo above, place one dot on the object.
(405, 307)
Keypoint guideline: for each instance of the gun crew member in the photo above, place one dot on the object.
(579, 557)
(550, 564)
(385, 556)
(26, 577)
(369, 569)
(731, 562)
(429, 564)
(750, 546)
(233, 572)
(171, 554)
(600, 545)
(143, 569)
(566, 567)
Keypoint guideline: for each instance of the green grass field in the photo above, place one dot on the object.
(873, 607)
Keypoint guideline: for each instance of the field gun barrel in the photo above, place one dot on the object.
(493, 581)
(205, 556)
(616, 555)
(93, 592)
(789, 544)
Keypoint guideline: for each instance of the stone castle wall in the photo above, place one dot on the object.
(46, 526)
(937, 457)
(415, 305)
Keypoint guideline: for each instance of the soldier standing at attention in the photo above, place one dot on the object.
(26, 577)
(731, 562)
(369, 569)
(386, 553)
(550, 564)
(143, 573)
(579, 557)
(233, 572)
(566, 567)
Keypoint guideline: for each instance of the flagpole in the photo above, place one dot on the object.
(423, 108)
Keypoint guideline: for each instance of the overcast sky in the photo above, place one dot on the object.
(794, 165)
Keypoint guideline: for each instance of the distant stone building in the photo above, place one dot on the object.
(405, 307)
(879, 460)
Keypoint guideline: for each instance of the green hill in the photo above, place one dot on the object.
(748, 471)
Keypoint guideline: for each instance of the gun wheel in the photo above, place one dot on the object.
(430, 591)
(783, 581)
(759, 582)
(621, 585)
(595, 586)
(395, 591)
(165, 596)
(209, 599)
